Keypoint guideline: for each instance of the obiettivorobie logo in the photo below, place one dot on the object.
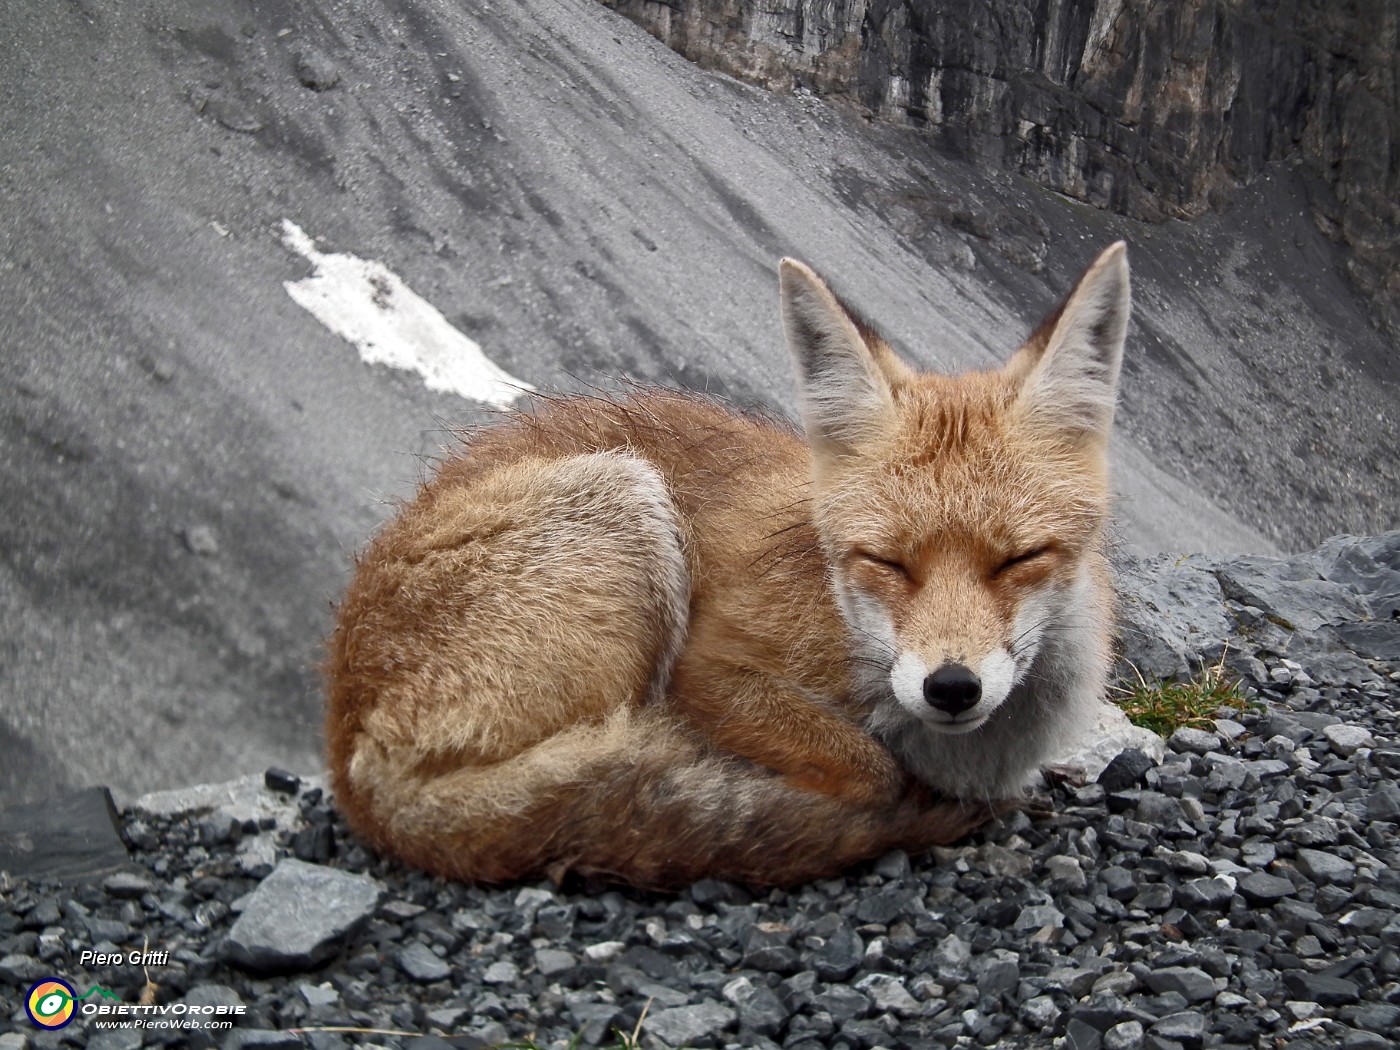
(52, 1003)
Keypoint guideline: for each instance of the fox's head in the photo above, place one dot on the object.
(958, 513)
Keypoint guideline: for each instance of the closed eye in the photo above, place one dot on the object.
(888, 564)
(1023, 558)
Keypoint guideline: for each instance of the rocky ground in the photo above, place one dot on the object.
(1242, 892)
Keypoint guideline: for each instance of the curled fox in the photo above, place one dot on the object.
(657, 640)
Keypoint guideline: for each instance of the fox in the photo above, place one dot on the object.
(649, 638)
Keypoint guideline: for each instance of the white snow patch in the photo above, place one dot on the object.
(366, 303)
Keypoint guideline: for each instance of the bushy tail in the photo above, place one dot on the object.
(636, 798)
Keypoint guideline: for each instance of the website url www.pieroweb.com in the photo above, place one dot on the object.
(165, 1016)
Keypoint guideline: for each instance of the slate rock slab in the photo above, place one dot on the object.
(1289, 590)
(298, 917)
(1171, 612)
(71, 838)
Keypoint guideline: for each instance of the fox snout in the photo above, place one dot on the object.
(956, 695)
(952, 689)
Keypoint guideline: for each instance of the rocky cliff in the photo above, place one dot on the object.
(1153, 110)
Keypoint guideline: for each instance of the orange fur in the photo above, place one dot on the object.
(628, 637)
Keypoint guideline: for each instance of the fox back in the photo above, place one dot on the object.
(655, 639)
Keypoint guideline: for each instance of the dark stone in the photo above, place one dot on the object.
(1384, 804)
(72, 838)
(1320, 988)
(1192, 983)
(1213, 893)
(315, 844)
(1128, 769)
(1262, 888)
(840, 956)
(762, 1012)
(127, 886)
(281, 781)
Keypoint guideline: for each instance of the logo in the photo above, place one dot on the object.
(50, 1003)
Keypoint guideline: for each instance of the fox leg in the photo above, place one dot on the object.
(771, 723)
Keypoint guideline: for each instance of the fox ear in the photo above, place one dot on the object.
(845, 372)
(1070, 366)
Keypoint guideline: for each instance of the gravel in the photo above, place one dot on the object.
(1243, 892)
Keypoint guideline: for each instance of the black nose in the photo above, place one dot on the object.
(953, 688)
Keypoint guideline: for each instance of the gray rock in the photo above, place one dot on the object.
(889, 994)
(1065, 873)
(1320, 988)
(319, 994)
(1186, 1027)
(1212, 893)
(759, 1008)
(952, 955)
(1170, 609)
(1159, 810)
(998, 973)
(595, 1021)
(419, 962)
(19, 969)
(1037, 917)
(1189, 981)
(1340, 668)
(212, 995)
(298, 917)
(501, 972)
(1346, 740)
(843, 1003)
(1126, 1035)
(1081, 1035)
(1384, 804)
(1290, 592)
(1194, 741)
(681, 1025)
(1261, 888)
(1298, 726)
(1361, 1040)
(552, 961)
(1040, 1012)
(1324, 868)
(840, 956)
(127, 886)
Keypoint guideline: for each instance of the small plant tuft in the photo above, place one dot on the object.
(1165, 707)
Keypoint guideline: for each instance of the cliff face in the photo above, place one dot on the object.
(1153, 110)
